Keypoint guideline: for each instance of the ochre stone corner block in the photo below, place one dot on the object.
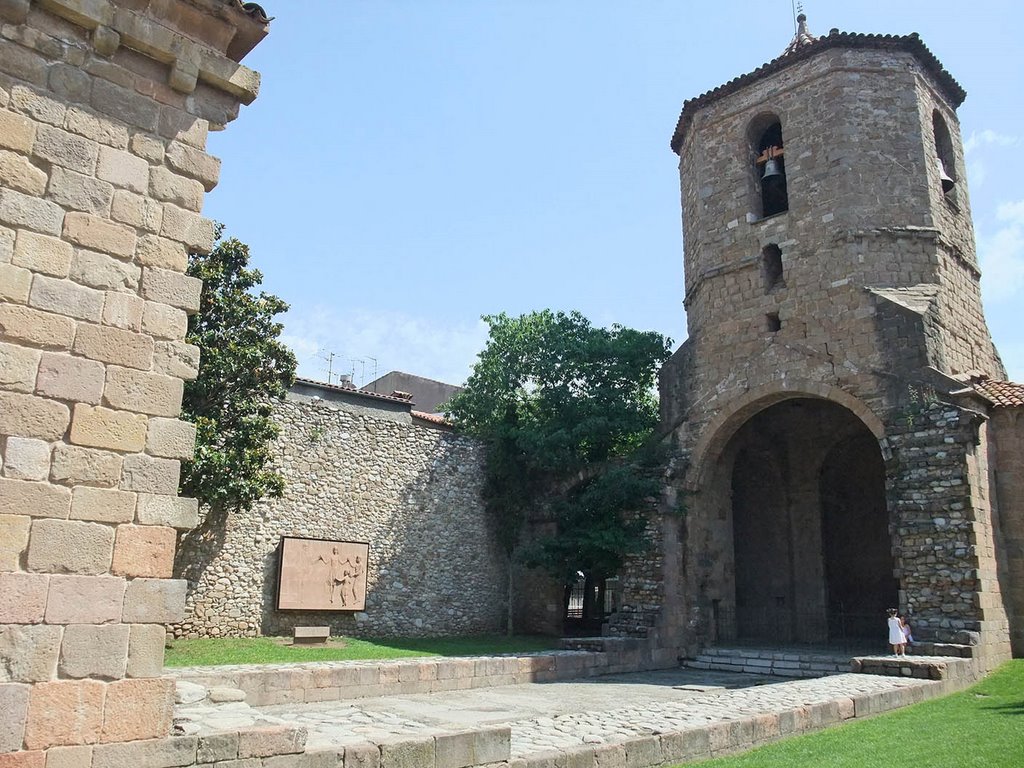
(178, 512)
(143, 392)
(138, 709)
(154, 601)
(146, 650)
(85, 599)
(148, 474)
(24, 497)
(100, 427)
(23, 597)
(29, 416)
(170, 438)
(144, 550)
(64, 712)
(70, 546)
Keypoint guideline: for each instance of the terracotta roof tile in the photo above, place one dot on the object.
(806, 48)
(1005, 394)
(433, 418)
(351, 391)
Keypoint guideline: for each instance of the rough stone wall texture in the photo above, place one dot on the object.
(361, 474)
(1007, 452)
(878, 295)
(102, 175)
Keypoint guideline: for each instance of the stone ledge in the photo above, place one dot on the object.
(270, 684)
(190, 59)
(955, 668)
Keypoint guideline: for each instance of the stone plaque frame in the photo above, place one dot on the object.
(321, 574)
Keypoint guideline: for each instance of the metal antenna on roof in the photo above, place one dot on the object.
(328, 357)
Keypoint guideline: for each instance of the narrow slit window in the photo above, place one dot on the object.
(772, 322)
(771, 266)
(944, 150)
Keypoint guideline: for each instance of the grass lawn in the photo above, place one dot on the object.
(275, 650)
(982, 727)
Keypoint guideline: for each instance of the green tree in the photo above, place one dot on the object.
(243, 369)
(563, 408)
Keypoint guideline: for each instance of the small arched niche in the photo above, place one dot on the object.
(944, 149)
(765, 137)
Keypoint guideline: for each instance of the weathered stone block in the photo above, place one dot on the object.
(147, 474)
(23, 597)
(21, 210)
(154, 601)
(28, 653)
(166, 185)
(171, 438)
(18, 173)
(146, 650)
(164, 321)
(14, 711)
(122, 169)
(80, 192)
(70, 546)
(196, 232)
(144, 550)
(407, 753)
(165, 752)
(99, 129)
(174, 511)
(136, 210)
(102, 505)
(271, 740)
(36, 105)
(64, 712)
(97, 270)
(31, 416)
(24, 759)
(362, 756)
(155, 251)
(35, 328)
(74, 465)
(101, 427)
(176, 358)
(65, 377)
(114, 345)
(18, 367)
(42, 253)
(125, 105)
(147, 147)
(68, 82)
(26, 458)
(16, 132)
(181, 126)
(6, 245)
(66, 297)
(13, 540)
(65, 149)
(99, 234)
(95, 651)
(167, 287)
(84, 599)
(20, 497)
(69, 757)
(134, 390)
(123, 310)
(15, 284)
(194, 163)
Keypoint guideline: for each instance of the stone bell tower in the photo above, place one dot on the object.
(826, 466)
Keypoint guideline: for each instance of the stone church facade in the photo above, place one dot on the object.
(842, 435)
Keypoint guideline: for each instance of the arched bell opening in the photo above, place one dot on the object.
(765, 136)
(811, 551)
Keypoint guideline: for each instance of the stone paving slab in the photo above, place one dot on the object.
(592, 714)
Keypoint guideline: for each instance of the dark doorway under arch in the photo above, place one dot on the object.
(812, 553)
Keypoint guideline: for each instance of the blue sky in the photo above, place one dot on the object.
(411, 165)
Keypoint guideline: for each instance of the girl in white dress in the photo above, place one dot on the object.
(896, 638)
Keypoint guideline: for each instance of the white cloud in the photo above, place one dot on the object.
(1002, 254)
(989, 137)
(367, 343)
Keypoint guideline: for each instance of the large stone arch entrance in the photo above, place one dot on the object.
(801, 485)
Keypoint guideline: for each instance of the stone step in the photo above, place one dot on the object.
(781, 663)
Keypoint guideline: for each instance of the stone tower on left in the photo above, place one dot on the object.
(104, 111)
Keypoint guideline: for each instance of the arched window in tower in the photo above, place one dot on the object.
(944, 149)
(769, 164)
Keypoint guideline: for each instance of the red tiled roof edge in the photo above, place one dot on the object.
(1003, 394)
(433, 418)
(911, 43)
(350, 391)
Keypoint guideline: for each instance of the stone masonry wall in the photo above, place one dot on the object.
(102, 176)
(360, 474)
(1007, 440)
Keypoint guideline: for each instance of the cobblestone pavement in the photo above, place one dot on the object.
(546, 716)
